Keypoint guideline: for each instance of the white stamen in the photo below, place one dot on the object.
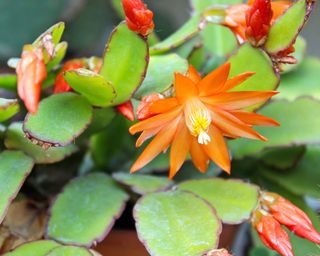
(204, 138)
(198, 120)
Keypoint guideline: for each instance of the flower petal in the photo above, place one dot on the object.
(239, 100)
(254, 119)
(229, 124)
(147, 134)
(198, 156)
(155, 121)
(179, 149)
(217, 149)
(158, 144)
(214, 81)
(234, 81)
(185, 88)
(163, 105)
(279, 7)
(193, 74)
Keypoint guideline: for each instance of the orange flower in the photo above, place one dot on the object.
(60, 84)
(143, 110)
(138, 17)
(31, 71)
(197, 118)
(250, 19)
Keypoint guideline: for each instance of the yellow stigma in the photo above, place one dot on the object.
(198, 120)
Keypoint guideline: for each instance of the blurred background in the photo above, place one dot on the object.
(89, 22)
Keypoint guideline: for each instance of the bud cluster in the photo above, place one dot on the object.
(275, 211)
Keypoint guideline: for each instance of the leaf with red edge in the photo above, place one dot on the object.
(176, 223)
(86, 210)
(15, 166)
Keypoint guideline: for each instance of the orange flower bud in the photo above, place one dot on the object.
(258, 19)
(60, 84)
(273, 236)
(126, 109)
(31, 71)
(143, 111)
(138, 17)
(293, 218)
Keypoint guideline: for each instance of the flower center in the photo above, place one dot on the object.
(198, 120)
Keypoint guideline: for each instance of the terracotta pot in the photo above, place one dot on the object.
(125, 242)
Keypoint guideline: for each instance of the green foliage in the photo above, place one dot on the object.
(37, 248)
(302, 179)
(201, 5)
(185, 33)
(16, 139)
(125, 67)
(69, 251)
(14, 168)
(160, 73)
(286, 29)
(256, 61)
(86, 210)
(59, 120)
(176, 223)
(282, 158)
(142, 184)
(293, 130)
(8, 108)
(92, 86)
(55, 31)
(218, 40)
(304, 81)
(8, 81)
(233, 199)
(77, 137)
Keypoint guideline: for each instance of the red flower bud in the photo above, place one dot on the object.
(60, 84)
(31, 71)
(138, 17)
(293, 218)
(258, 19)
(126, 109)
(273, 236)
(143, 111)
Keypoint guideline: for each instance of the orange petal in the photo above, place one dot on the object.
(254, 119)
(179, 149)
(229, 124)
(147, 134)
(193, 74)
(158, 144)
(239, 100)
(279, 7)
(234, 81)
(185, 88)
(155, 121)
(198, 155)
(214, 81)
(31, 89)
(217, 149)
(163, 105)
